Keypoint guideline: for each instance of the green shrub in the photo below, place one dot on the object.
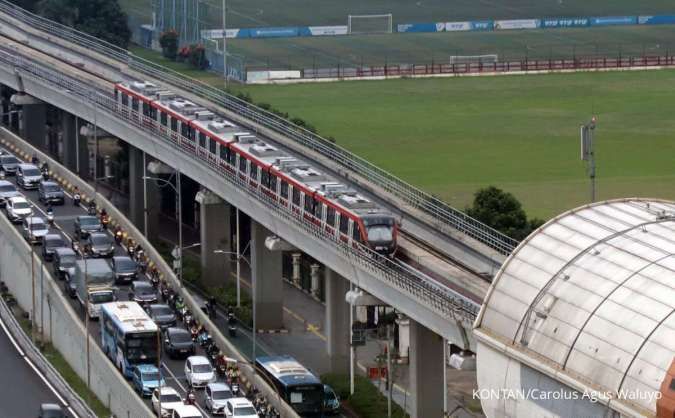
(367, 401)
(169, 42)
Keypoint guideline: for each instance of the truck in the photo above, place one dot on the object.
(94, 280)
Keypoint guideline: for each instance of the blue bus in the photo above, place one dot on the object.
(128, 335)
(295, 384)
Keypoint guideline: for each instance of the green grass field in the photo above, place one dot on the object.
(520, 133)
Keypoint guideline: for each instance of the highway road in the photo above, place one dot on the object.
(23, 386)
(64, 218)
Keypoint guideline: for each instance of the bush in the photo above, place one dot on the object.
(169, 42)
(197, 57)
(367, 402)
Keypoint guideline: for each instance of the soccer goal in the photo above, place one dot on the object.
(362, 24)
(470, 59)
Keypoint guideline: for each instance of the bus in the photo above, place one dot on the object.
(295, 384)
(128, 335)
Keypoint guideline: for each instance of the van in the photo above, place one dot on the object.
(186, 411)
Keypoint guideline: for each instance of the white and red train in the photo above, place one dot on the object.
(292, 182)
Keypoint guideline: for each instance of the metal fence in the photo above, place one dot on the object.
(443, 217)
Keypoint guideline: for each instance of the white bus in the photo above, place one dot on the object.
(128, 335)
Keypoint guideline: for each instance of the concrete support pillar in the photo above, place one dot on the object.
(315, 271)
(267, 277)
(35, 125)
(70, 141)
(215, 233)
(337, 322)
(137, 197)
(296, 268)
(426, 372)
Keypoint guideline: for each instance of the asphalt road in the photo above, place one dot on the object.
(64, 216)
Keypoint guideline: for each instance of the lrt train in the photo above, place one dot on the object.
(316, 196)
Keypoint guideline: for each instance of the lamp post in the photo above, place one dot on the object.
(177, 190)
(239, 257)
(226, 74)
(588, 151)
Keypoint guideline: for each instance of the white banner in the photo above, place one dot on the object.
(328, 30)
(516, 24)
(457, 26)
(218, 33)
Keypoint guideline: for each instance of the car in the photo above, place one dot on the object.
(124, 268)
(186, 411)
(198, 371)
(34, 229)
(146, 378)
(178, 342)
(170, 400)
(215, 397)
(240, 408)
(8, 164)
(63, 262)
(69, 286)
(7, 190)
(18, 208)
(100, 244)
(51, 192)
(50, 243)
(163, 316)
(331, 403)
(86, 224)
(51, 410)
(142, 292)
(28, 176)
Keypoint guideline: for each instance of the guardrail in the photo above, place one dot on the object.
(444, 301)
(445, 217)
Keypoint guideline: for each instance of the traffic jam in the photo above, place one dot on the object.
(136, 318)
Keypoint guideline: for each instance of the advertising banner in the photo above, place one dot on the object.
(571, 22)
(656, 20)
(420, 27)
(274, 32)
(218, 33)
(517, 24)
(326, 30)
(613, 20)
(457, 26)
(482, 25)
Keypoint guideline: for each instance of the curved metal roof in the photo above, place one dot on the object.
(590, 297)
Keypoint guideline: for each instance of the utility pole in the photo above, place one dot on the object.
(588, 152)
(390, 384)
(226, 74)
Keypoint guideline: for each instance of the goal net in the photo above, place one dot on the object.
(360, 24)
(470, 59)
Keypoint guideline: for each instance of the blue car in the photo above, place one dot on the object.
(146, 378)
(331, 404)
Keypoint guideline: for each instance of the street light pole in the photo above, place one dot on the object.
(180, 230)
(588, 151)
(145, 198)
(238, 263)
(159, 370)
(225, 41)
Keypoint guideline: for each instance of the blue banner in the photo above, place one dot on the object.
(274, 32)
(614, 20)
(421, 27)
(572, 22)
(657, 20)
(480, 25)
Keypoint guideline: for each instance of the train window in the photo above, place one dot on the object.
(174, 125)
(135, 104)
(296, 196)
(344, 223)
(153, 113)
(309, 204)
(223, 152)
(264, 178)
(254, 171)
(117, 95)
(202, 140)
(242, 164)
(185, 129)
(125, 100)
(356, 235)
(191, 133)
(212, 145)
(284, 189)
(146, 109)
(330, 216)
(232, 158)
(163, 118)
(273, 182)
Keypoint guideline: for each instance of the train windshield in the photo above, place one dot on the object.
(380, 233)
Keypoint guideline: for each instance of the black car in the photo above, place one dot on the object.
(100, 244)
(85, 224)
(163, 316)
(69, 285)
(64, 262)
(124, 268)
(49, 191)
(142, 292)
(51, 410)
(8, 164)
(178, 343)
(51, 242)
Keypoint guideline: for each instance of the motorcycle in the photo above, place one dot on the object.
(231, 325)
(105, 220)
(188, 319)
(190, 398)
(204, 339)
(91, 209)
(194, 331)
(77, 198)
(166, 292)
(131, 249)
(50, 217)
(45, 173)
(118, 236)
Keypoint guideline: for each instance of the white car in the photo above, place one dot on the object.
(198, 371)
(18, 208)
(240, 408)
(215, 397)
(7, 190)
(34, 229)
(28, 176)
(170, 400)
(186, 411)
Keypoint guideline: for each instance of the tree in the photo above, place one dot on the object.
(103, 19)
(169, 42)
(503, 212)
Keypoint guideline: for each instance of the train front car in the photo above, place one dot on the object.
(380, 231)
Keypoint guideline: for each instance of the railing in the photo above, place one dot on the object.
(442, 300)
(444, 217)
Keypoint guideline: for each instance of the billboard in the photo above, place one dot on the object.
(325, 30)
(572, 22)
(420, 27)
(274, 32)
(218, 33)
(457, 26)
(482, 25)
(517, 24)
(614, 20)
(656, 20)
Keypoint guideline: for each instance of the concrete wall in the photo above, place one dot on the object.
(61, 324)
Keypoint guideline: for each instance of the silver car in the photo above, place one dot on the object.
(9, 163)
(7, 190)
(34, 229)
(28, 176)
(18, 208)
(215, 397)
